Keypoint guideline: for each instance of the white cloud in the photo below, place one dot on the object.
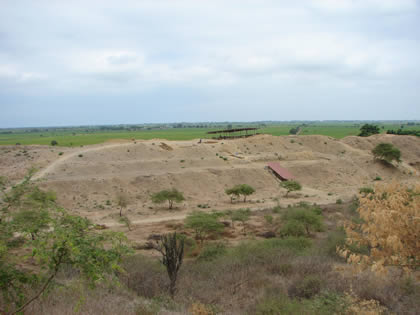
(225, 50)
(12, 74)
(360, 5)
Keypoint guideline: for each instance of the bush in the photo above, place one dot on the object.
(276, 209)
(366, 190)
(324, 303)
(293, 228)
(53, 142)
(301, 220)
(203, 224)
(339, 201)
(367, 130)
(307, 288)
(389, 227)
(212, 251)
(387, 152)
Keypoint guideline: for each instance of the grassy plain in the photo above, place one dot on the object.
(77, 137)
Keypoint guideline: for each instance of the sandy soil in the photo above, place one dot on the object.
(88, 179)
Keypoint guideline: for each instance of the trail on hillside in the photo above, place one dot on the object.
(50, 168)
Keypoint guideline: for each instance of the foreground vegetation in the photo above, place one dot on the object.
(76, 136)
(290, 265)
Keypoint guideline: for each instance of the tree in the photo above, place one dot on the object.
(172, 249)
(301, 221)
(246, 190)
(54, 142)
(54, 239)
(367, 130)
(387, 152)
(389, 228)
(203, 224)
(233, 192)
(291, 185)
(238, 190)
(171, 196)
(122, 202)
(294, 131)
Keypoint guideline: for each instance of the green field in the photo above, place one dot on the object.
(82, 136)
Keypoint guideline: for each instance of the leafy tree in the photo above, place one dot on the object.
(389, 227)
(233, 192)
(172, 249)
(54, 142)
(294, 131)
(171, 196)
(301, 221)
(31, 221)
(387, 152)
(203, 224)
(367, 130)
(54, 239)
(246, 190)
(291, 185)
(241, 215)
(122, 202)
(238, 190)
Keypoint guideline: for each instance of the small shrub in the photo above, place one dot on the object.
(60, 153)
(284, 269)
(366, 190)
(182, 161)
(324, 303)
(80, 155)
(339, 201)
(387, 152)
(276, 209)
(268, 219)
(306, 288)
(54, 142)
(212, 251)
(378, 178)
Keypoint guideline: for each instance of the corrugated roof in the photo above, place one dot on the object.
(231, 130)
(281, 171)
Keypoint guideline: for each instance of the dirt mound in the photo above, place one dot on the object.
(88, 179)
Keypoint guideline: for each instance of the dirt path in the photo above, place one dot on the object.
(50, 168)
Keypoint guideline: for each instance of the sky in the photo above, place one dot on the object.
(138, 61)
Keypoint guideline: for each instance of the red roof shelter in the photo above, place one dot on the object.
(279, 171)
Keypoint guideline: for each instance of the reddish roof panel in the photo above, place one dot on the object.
(282, 172)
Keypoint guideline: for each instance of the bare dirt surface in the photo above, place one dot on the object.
(88, 179)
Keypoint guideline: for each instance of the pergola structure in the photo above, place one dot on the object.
(234, 133)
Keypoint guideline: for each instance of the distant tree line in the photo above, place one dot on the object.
(404, 132)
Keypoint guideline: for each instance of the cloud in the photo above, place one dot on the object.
(384, 6)
(221, 52)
